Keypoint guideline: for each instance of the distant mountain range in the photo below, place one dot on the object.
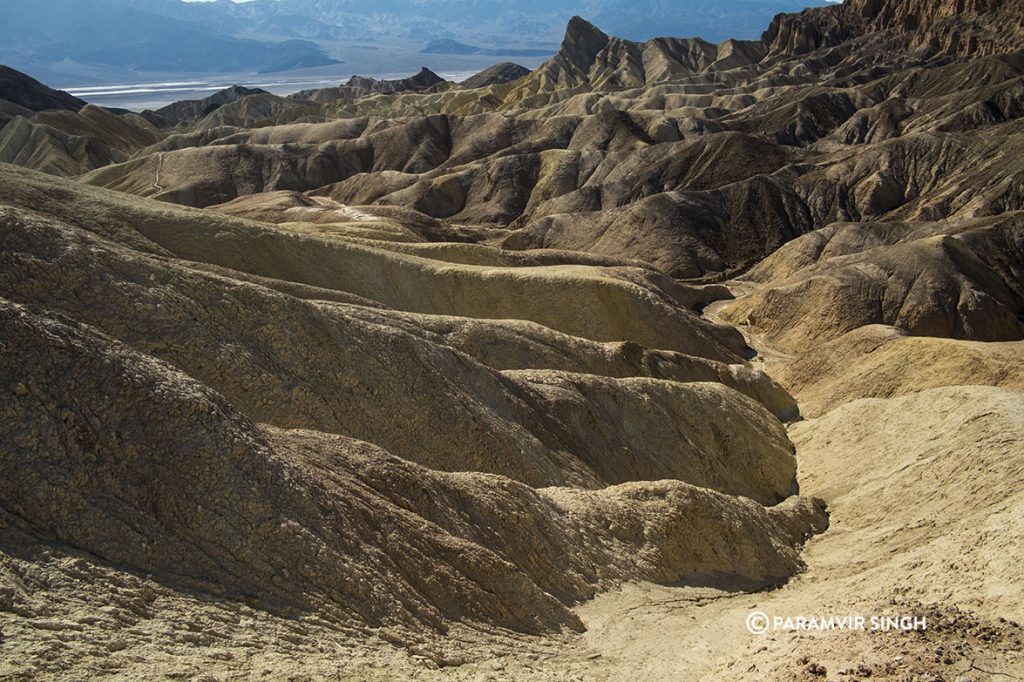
(503, 23)
(120, 34)
(98, 38)
(449, 46)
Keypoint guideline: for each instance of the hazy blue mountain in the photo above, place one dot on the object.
(449, 46)
(515, 22)
(45, 32)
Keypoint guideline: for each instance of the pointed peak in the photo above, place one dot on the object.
(427, 74)
(581, 29)
(583, 41)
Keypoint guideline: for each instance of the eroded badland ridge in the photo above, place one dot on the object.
(546, 375)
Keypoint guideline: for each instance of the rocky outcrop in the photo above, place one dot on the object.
(955, 27)
(69, 143)
(26, 92)
(254, 111)
(940, 280)
(590, 59)
(195, 109)
(882, 362)
(361, 86)
(506, 72)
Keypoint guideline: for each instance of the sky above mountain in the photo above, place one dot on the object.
(126, 40)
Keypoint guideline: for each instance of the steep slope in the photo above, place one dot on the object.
(24, 91)
(69, 143)
(274, 534)
(971, 28)
(253, 111)
(958, 280)
(155, 338)
(514, 425)
(361, 86)
(588, 58)
(505, 72)
(193, 109)
(876, 361)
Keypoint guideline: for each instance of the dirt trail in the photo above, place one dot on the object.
(159, 167)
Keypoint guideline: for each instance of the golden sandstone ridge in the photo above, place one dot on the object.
(557, 377)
